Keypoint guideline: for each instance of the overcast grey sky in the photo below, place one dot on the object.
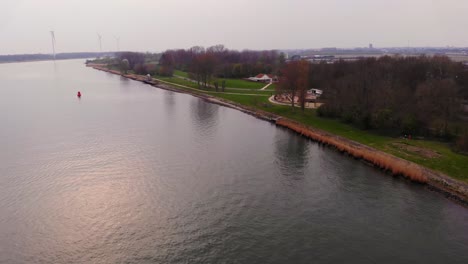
(254, 24)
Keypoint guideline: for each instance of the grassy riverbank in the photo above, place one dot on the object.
(431, 154)
(435, 155)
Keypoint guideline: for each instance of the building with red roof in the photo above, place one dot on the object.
(262, 77)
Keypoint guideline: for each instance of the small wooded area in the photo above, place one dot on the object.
(412, 96)
(399, 95)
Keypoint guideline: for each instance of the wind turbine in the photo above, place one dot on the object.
(100, 42)
(52, 34)
(117, 39)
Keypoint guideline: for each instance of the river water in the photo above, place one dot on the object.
(133, 174)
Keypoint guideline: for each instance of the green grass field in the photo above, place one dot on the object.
(227, 90)
(230, 83)
(181, 73)
(239, 83)
(265, 93)
(178, 81)
(271, 87)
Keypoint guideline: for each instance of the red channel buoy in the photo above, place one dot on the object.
(78, 94)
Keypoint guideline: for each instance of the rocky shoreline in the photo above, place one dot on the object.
(436, 181)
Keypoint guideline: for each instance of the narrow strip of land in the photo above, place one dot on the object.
(383, 152)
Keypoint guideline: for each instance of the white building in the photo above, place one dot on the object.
(315, 92)
(264, 78)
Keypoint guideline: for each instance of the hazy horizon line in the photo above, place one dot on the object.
(278, 49)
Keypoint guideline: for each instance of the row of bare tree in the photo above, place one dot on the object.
(411, 95)
(202, 64)
(294, 81)
(217, 61)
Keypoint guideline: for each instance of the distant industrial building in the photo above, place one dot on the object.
(321, 58)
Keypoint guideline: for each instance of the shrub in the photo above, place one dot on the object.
(382, 118)
(140, 69)
(462, 142)
(327, 111)
(409, 124)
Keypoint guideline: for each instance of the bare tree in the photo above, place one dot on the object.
(294, 81)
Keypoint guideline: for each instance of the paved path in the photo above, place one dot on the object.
(308, 105)
(266, 86)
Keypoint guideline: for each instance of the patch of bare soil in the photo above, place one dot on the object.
(426, 153)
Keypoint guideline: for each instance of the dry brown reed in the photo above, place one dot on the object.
(382, 160)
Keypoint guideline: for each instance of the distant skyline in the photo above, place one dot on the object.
(154, 26)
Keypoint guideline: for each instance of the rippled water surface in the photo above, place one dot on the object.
(134, 174)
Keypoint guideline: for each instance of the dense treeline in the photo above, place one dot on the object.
(138, 62)
(408, 95)
(201, 64)
(220, 62)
